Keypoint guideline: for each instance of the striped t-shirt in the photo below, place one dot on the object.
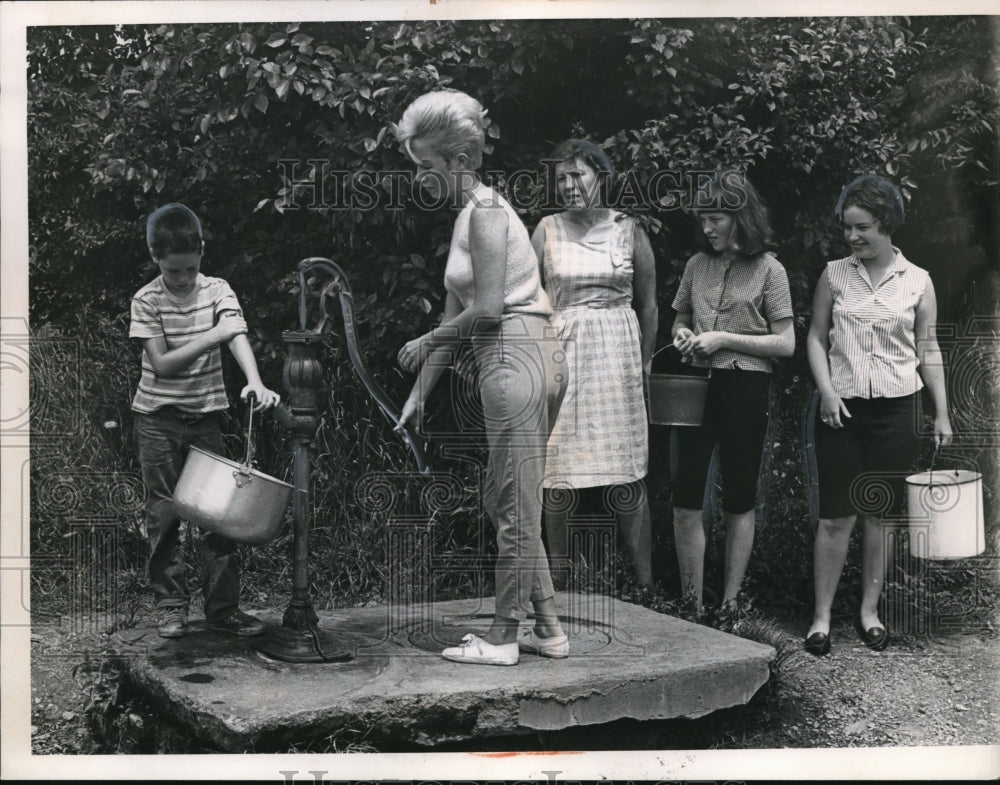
(873, 348)
(734, 295)
(199, 388)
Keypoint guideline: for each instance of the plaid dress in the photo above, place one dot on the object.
(600, 436)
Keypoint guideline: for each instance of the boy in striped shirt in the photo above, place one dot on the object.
(182, 318)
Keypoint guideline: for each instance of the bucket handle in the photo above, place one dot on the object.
(671, 346)
(934, 457)
(243, 475)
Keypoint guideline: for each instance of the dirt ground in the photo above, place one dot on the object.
(919, 692)
(915, 693)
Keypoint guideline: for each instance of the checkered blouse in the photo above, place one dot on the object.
(734, 295)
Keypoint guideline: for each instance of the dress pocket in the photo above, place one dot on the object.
(621, 243)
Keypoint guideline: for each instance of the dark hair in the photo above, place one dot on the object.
(173, 228)
(590, 154)
(878, 196)
(731, 192)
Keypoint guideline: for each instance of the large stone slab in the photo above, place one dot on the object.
(625, 662)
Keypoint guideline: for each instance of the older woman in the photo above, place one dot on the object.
(871, 349)
(734, 317)
(598, 269)
(495, 300)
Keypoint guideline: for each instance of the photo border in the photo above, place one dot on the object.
(16, 760)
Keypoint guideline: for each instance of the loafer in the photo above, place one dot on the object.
(477, 651)
(173, 624)
(875, 638)
(238, 623)
(818, 643)
(556, 647)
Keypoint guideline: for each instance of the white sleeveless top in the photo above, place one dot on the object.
(873, 345)
(523, 292)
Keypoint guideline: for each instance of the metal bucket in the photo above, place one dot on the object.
(230, 498)
(945, 514)
(676, 399)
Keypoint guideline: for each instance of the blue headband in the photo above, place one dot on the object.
(893, 197)
(160, 212)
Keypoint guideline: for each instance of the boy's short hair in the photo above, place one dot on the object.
(173, 228)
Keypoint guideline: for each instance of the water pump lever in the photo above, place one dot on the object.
(340, 285)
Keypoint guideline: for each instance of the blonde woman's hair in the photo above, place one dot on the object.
(451, 121)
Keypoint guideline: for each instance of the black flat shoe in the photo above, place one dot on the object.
(818, 643)
(875, 638)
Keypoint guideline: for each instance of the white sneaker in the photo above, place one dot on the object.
(477, 651)
(556, 647)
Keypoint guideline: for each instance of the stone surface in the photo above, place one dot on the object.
(625, 662)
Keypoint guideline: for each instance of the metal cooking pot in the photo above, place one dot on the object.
(229, 498)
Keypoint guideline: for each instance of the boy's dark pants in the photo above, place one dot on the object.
(163, 440)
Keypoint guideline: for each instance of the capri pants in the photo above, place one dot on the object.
(522, 378)
(736, 418)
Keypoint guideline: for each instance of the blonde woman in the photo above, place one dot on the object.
(496, 302)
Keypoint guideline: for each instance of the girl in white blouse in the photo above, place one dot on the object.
(871, 348)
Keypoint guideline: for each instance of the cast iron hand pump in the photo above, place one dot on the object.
(299, 639)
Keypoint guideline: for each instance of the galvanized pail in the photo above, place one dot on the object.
(677, 399)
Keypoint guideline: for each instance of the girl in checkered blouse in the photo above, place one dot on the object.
(734, 317)
(598, 270)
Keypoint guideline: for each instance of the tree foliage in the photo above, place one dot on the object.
(122, 119)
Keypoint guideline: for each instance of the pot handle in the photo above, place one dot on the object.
(243, 475)
(251, 400)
